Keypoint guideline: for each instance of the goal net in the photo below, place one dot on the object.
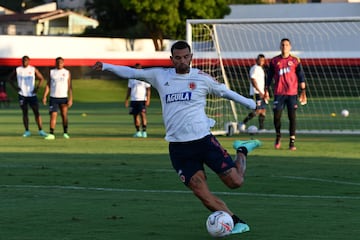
(329, 51)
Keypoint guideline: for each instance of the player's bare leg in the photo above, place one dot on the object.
(37, 116)
(38, 119)
(51, 136)
(242, 149)
(200, 188)
(137, 125)
(143, 123)
(261, 113)
(64, 117)
(25, 119)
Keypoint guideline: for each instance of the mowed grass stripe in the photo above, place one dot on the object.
(162, 191)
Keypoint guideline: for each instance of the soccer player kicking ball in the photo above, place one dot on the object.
(183, 92)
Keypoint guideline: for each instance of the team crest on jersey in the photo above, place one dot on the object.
(192, 85)
(290, 63)
(177, 97)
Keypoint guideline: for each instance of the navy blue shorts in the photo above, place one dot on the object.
(54, 103)
(137, 107)
(31, 101)
(280, 101)
(260, 103)
(189, 157)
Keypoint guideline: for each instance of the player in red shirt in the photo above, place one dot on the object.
(287, 72)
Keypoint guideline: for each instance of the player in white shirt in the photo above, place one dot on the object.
(257, 90)
(26, 86)
(60, 88)
(183, 91)
(139, 93)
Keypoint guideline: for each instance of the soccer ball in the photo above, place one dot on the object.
(219, 224)
(252, 130)
(345, 113)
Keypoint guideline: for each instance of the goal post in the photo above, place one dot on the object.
(327, 47)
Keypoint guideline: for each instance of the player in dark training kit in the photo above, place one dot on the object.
(288, 74)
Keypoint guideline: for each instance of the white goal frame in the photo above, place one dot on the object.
(232, 126)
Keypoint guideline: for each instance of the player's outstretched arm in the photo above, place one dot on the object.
(122, 71)
(247, 102)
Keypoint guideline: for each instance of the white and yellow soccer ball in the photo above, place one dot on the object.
(219, 224)
(345, 113)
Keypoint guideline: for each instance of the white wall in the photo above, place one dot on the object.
(74, 47)
(309, 10)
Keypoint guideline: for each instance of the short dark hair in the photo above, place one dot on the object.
(25, 57)
(180, 45)
(285, 39)
(59, 58)
(260, 56)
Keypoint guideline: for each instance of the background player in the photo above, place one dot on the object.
(288, 74)
(257, 88)
(26, 76)
(183, 92)
(139, 93)
(60, 88)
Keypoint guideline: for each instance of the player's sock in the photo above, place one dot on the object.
(144, 128)
(242, 150)
(236, 219)
(51, 131)
(261, 121)
(249, 117)
(137, 128)
(292, 143)
(239, 225)
(65, 128)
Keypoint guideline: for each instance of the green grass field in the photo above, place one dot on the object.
(104, 184)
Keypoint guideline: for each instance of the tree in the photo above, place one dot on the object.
(114, 19)
(161, 17)
(20, 5)
(157, 19)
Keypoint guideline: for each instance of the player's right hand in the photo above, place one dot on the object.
(97, 66)
(303, 98)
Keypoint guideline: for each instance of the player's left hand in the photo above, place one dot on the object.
(303, 98)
